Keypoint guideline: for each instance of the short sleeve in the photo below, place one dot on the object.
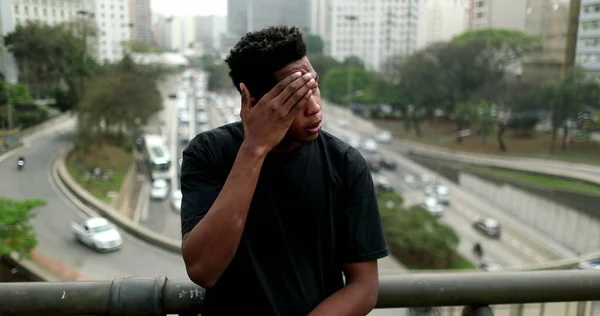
(362, 238)
(200, 184)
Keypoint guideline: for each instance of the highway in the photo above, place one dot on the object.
(52, 222)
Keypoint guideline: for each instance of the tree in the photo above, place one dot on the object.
(115, 104)
(479, 115)
(142, 47)
(314, 44)
(323, 63)
(353, 61)
(16, 233)
(416, 236)
(335, 83)
(218, 77)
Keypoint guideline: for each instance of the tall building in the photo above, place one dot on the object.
(115, 28)
(508, 14)
(8, 65)
(161, 31)
(50, 12)
(372, 30)
(141, 18)
(252, 15)
(209, 30)
(588, 43)
(548, 20)
(440, 20)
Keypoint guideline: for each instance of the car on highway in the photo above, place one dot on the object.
(593, 264)
(354, 143)
(432, 205)
(184, 117)
(172, 95)
(202, 118)
(369, 146)
(488, 226)
(373, 165)
(489, 266)
(384, 137)
(176, 198)
(382, 184)
(98, 233)
(388, 163)
(160, 189)
(439, 191)
(342, 123)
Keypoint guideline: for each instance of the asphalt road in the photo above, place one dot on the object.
(53, 221)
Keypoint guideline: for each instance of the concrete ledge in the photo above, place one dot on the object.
(108, 212)
(48, 123)
(32, 269)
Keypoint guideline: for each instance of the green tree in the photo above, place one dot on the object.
(479, 117)
(335, 83)
(314, 44)
(323, 63)
(218, 77)
(354, 61)
(417, 237)
(115, 104)
(16, 233)
(142, 47)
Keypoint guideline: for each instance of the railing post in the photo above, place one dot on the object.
(137, 296)
(484, 310)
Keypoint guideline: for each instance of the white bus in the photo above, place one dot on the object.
(156, 157)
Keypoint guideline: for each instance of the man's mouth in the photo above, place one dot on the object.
(314, 128)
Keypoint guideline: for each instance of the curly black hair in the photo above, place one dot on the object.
(258, 55)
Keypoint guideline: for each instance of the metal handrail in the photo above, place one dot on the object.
(160, 296)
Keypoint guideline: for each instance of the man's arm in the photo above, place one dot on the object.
(358, 297)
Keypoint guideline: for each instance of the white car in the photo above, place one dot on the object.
(201, 118)
(384, 137)
(369, 146)
(439, 191)
(433, 206)
(354, 143)
(98, 233)
(176, 198)
(160, 189)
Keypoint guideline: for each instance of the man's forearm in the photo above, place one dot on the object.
(352, 300)
(211, 245)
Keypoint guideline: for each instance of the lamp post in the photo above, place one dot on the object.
(351, 19)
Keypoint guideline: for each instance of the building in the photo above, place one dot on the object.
(508, 14)
(588, 42)
(548, 20)
(318, 19)
(251, 15)
(50, 11)
(371, 30)
(8, 65)
(115, 28)
(141, 18)
(161, 31)
(183, 33)
(441, 20)
(209, 30)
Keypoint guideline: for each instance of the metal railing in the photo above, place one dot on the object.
(160, 296)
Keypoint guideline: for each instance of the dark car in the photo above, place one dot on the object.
(172, 96)
(373, 165)
(387, 163)
(488, 227)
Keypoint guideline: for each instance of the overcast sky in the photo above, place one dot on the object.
(189, 7)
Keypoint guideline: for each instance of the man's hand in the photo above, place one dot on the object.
(266, 123)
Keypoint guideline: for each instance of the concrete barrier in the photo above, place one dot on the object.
(30, 268)
(48, 123)
(109, 213)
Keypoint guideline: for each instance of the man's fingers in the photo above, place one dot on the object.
(281, 85)
(298, 106)
(293, 87)
(297, 95)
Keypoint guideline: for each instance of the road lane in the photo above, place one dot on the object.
(52, 222)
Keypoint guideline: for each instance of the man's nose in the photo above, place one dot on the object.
(312, 107)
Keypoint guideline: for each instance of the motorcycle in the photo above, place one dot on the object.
(20, 164)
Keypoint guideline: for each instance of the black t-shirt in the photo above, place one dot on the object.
(313, 210)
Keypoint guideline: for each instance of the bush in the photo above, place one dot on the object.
(415, 236)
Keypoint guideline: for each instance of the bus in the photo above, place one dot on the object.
(155, 155)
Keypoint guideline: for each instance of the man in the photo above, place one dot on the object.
(276, 212)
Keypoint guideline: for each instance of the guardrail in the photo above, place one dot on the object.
(160, 296)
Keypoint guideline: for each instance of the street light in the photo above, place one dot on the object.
(351, 19)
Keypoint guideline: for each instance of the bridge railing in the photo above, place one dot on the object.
(159, 296)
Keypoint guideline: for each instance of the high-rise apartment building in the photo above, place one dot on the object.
(141, 18)
(252, 15)
(47, 11)
(588, 42)
(115, 28)
(209, 30)
(372, 30)
(508, 14)
(440, 20)
(8, 65)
